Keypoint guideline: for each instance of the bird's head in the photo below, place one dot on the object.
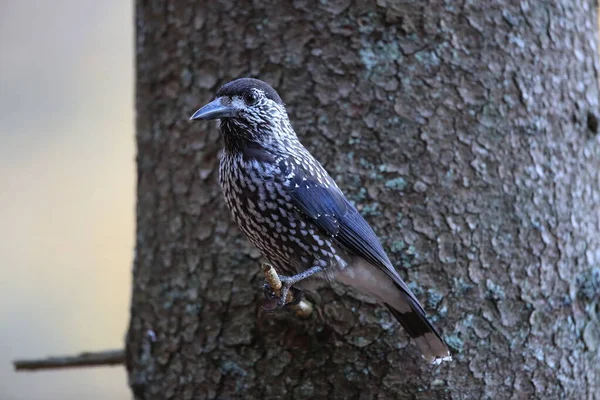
(249, 110)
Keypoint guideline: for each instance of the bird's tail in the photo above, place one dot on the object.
(426, 337)
(390, 289)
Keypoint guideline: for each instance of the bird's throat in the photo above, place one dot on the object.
(241, 139)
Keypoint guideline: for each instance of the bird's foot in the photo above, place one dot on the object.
(287, 296)
(279, 292)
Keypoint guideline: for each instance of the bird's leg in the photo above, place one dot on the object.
(278, 290)
(288, 281)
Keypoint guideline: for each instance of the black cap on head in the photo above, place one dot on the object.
(242, 85)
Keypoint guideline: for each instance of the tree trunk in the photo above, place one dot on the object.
(466, 132)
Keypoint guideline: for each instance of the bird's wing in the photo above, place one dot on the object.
(327, 206)
(322, 202)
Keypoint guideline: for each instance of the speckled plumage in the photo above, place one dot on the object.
(294, 213)
(256, 186)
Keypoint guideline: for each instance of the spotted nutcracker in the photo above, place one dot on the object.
(292, 210)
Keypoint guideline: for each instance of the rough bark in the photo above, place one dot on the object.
(467, 134)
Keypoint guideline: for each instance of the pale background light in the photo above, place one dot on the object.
(67, 187)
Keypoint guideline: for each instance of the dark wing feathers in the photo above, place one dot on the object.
(319, 203)
(356, 235)
(336, 216)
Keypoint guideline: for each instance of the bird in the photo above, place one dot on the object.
(290, 208)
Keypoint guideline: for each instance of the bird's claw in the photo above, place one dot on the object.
(275, 303)
(297, 296)
(271, 299)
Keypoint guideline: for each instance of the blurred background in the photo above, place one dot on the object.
(67, 185)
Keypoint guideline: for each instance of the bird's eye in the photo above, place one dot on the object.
(250, 98)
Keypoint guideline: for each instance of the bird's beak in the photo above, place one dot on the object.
(214, 110)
